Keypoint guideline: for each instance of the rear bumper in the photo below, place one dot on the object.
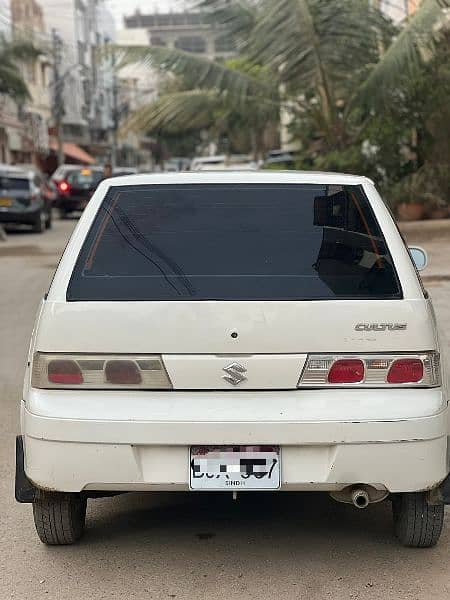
(25, 216)
(70, 203)
(133, 442)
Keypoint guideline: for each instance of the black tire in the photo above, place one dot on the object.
(39, 222)
(59, 517)
(49, 221)
(417, 524)
(62, 213)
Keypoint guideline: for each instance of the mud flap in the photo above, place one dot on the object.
(24, 489)
(445, 488)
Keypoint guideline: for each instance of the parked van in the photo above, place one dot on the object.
(236, 332)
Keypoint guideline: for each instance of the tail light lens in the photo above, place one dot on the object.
(406, 370)
(64, 187)
(122, 372)
(99, 372)
(65, 372)
(384, 370)
(346, 370)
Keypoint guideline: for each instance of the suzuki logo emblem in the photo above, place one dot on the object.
(234, 374)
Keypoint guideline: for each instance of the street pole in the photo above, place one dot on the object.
(115, 114)
(58, 100)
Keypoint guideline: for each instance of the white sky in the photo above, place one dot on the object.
(127, 7)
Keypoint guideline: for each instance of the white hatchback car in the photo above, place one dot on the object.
(236, 332)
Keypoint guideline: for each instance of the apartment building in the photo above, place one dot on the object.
(81, 29)
(188, 31)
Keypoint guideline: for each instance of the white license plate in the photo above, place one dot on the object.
(234, 468)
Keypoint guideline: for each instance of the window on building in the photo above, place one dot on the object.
(191, 43)
(194, 19)
(157, 40)
(163, 20)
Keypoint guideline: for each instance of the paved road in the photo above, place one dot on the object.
(286, 546)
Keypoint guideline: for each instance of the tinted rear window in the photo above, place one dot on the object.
(234, 242)
(84, 179)
(14, 183)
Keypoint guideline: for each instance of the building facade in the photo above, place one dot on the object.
(81, 29)
(27, 129)
(188, 31)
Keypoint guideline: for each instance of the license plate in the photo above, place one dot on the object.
(5, 202)
(234, 468)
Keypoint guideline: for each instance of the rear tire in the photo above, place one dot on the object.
(59, 518)
(49, 220)
(39, 222)
(62, 214)
(417, 524)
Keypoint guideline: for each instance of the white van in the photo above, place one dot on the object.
(237, 332)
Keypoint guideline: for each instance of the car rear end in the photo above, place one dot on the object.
(76, 189)
(20, 200)
(237, 332)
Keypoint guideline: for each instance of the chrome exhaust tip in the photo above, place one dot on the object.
(360, 498)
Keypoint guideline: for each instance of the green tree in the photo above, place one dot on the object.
(12, 54)
(333, 63)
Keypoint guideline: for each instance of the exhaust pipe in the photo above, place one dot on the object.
(360, 498)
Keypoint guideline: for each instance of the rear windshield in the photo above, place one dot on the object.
(85, 178)
(234, 242)
(14, 183)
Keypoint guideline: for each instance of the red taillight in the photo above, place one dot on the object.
(63, 186)
(65, 372)
(406, 370)
(122, 372)
(348, 370)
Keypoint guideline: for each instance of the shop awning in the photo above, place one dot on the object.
(74, 152)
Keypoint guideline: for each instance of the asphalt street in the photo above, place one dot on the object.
(194, 546)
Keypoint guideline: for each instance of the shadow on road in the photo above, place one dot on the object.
(248, 520)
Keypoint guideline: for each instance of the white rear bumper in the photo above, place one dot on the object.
(126, 441)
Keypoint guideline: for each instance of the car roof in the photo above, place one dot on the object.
(209, 177)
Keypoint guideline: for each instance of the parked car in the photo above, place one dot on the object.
(236, 332)
(24, 198)
(62, 171)
(279, 159)
(76, 189)
(121, 171)
(208, 163)
(176, 164)
(233, 162)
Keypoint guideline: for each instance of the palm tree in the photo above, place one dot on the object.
(181, 109)
(12, 54)
(333, 61)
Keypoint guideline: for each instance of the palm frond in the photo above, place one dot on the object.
(236, 17)
(301, 38)
(196, 72)
(19, 50)
(12, 82)
(177, 113)
(413, 46)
